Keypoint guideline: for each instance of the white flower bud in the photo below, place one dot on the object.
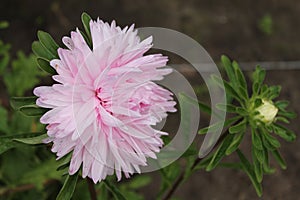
(267, 111)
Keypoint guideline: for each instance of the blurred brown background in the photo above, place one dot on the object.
(244, 30)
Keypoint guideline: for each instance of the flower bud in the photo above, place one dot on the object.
(267, 111)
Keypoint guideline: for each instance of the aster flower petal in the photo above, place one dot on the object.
(105, 102)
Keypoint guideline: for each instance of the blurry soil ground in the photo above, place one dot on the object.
(222, 27)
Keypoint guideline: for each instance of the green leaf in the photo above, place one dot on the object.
(33, 140)
(279, 159)
(23, 74)
(203, 107)
(281, 105)
(229, 89)
(114, 190)
(229, 69)
(266, 165)
(290, 115)
(45, 66)
(64, 162)
(85, 18)
(259, 154)
(282, 119)
(48, 42)
(40, 51)
(249, 171)
(220, 153)
(238, 128)
(267, 144)
(273, 141)
(258, 167)
(258, 79)
(32, 110)
(218, 125)
(226, 107)
(235, 143)
(139, 181)
(256, 140)
(7, 142)
(242, 86)
(68, 188)
(274, 91)
(18, 102)
(241, 111)
(284, 133)
(203, 163)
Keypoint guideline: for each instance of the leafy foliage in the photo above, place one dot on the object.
(252, 112)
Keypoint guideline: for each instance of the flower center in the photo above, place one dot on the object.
(102, 102)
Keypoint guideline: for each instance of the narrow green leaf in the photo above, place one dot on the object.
(238, 128)
(32, 110)
(258, 79)
(240, 76)
(218, 125)
(33, 140)
(229, 69)
(241, 111)
(204, 163)
(279, 159)
(203, 107)
(48, 42)
(274, 91)
(273, 141)
(139, 181)
(45, 66)
(259, 154)
(64, 162)
(235, 143)
(284, 133)
(40, 51)
(266, 165)
(282, 119)
(68, 188)
(7, 142)
(258, 167)
(114, 190)
(85, 18)
(256, 140)
(290, 115)
(281, 105)
(220, 153)
(267, 144)
(249, 171)
(18, 102)
(228, 108)
(229, 89)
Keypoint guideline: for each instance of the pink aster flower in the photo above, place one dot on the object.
(105, 102)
